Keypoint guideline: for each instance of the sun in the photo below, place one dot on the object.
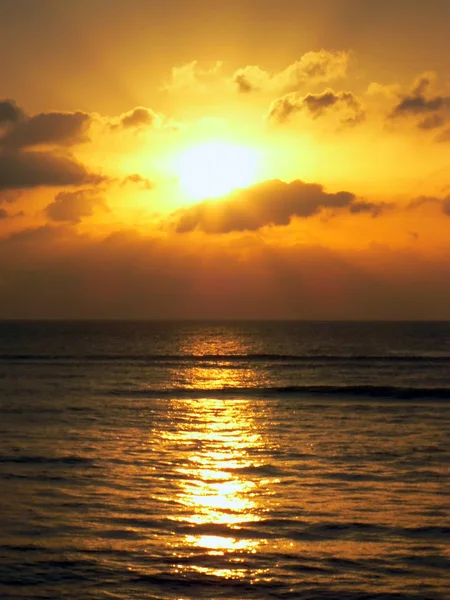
(214, 169)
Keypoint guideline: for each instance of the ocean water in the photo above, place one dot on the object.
(224, 460)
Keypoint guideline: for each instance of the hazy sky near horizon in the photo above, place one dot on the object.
(227, 159)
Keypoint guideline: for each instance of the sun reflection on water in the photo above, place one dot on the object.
(214, 482)
(216, 378)
(217, 448)
(218, 495)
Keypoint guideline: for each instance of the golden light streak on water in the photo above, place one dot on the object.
(216, 485)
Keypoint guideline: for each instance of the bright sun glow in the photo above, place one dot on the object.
(215, 169)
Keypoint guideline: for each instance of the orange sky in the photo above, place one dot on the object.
(229, 159)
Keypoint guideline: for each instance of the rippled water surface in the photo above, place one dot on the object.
(193, 461)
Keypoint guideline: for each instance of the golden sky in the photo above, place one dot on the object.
(228, 159)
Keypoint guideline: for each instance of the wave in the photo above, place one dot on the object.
(230, 358)
(47, 460)
(349, 391)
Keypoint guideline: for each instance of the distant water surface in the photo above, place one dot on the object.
(224, 460)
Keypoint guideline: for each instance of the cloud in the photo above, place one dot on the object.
(269, 203)
(421, 201)
(139, 181)
(432, 110)
(363, 206)
(141, 118)
(422, 83)
(349, 107)
(431, 122)
(71, 207)
(24, 165)
(9, 112)
(386, 91)
(55, 272)
(20, 170)
(413, 105)
(192, 77)
(3, 214)
(443, 203)
(444, 136)
(36, 237)
(9, 196)
(311, 68)
(318, 103)
(138, 118)
(48, 129)
(251, 79)
(283, 108)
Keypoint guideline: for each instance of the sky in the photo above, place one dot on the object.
(235, 159)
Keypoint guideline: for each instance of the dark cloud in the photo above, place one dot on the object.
(36, 236)
(443, 203)
(251, 79)
(4, 214)
(53, 272)
(317, 105)
(19, 170)
(244, 83)
(446, 206)
(48, 129)
(413, 105)
(431, 122)
(138, 118)
(139, 181)
(419, 103)
(23, 166)
(421, 201)
(269, 203)
(363, 206)
(283, 108)
(444, 136)
(9, 112)
(422, 83)
(71, 207)
(9, 196)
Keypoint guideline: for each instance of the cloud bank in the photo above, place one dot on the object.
(345, 104)
(311, 68)
(34, 150)
(22, 170)
(52, 272)
(71, 207)
(269, 203)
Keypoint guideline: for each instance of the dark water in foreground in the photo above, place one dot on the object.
(185, 461)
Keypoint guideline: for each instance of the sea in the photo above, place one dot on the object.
(231, 460)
